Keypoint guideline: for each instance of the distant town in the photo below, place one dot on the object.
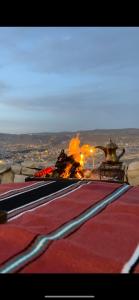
(45, 147)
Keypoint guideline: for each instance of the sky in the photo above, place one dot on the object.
(68, 78)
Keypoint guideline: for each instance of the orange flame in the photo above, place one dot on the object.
(80, 153)
(66, 172)
(74, 148)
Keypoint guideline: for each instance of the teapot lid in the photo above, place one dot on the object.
(111, 145)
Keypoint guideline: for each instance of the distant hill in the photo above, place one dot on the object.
(56, 138)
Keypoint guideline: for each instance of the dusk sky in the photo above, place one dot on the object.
(68, 78)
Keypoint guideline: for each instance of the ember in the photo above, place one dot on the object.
(45, 172)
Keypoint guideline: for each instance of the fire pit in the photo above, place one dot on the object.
(72, 164)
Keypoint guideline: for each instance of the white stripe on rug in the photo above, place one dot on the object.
(44, 198)
(130, 263)
(28, 189)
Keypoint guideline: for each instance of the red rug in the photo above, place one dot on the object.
(103, 244)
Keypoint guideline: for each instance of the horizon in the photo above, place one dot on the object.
(68, 77)
(71, 131)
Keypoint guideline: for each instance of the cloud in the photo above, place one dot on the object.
(86, 51)
(77, 99)
(72, 112)
(4, 87)
(67, 50)
(94, 82)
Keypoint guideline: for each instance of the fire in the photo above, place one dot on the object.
(74, 148)
(78, 175)
(66, 172)
(81, 161)
(71, 164)
(80, 153)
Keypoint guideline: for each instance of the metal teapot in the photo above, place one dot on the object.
(110, 152)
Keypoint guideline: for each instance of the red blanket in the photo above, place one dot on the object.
(105, 242)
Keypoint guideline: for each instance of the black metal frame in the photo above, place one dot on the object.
(114, 170)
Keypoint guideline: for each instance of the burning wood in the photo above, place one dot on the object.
(70, 165)
(67, 166)
(43, 173)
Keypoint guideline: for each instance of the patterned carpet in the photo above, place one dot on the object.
(69, 227)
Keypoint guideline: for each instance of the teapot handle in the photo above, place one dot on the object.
(121, 154)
